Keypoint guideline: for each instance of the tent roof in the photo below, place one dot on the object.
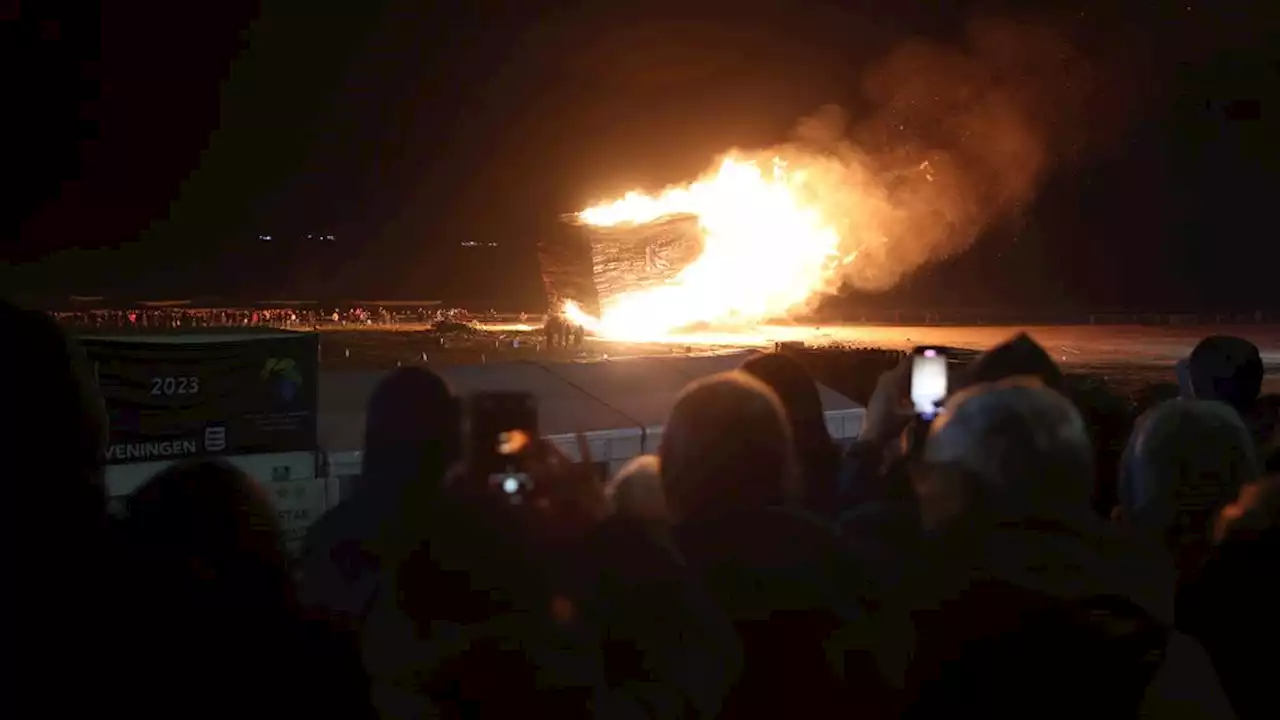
(572, 396)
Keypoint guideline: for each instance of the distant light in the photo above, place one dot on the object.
(265, 237)
(493, 244)
(328, 237)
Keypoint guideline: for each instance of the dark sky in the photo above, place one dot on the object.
(154, 144)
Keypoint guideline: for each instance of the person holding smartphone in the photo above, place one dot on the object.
(511, 469)
(909, 396)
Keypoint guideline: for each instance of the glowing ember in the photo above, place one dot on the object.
(769, 249)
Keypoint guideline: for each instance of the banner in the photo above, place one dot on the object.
(169, 398)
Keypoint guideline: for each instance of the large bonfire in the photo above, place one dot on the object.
(768, 249)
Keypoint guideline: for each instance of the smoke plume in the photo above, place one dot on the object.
(956, 138)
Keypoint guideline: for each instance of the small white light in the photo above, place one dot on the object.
(510, 486)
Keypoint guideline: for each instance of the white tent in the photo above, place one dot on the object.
(620, 405)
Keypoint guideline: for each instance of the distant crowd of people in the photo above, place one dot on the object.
(302, 317)
(964, 567)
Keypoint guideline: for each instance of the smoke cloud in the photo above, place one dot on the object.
(956, 139)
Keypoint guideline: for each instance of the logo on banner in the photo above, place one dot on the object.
(215, 438)
(282, 376)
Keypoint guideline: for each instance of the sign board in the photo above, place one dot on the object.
(170, 400)
(299, 501)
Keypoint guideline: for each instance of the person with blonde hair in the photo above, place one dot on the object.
(795, 595)
(727, 446)
(636, 491)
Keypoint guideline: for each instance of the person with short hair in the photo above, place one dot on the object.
(1227, 369)
(1185, 462)
(1028, 603)
(636, 491)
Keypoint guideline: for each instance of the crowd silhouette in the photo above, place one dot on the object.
(1020, 556)
(296, 316)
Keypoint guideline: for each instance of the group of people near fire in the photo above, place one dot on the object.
(561, 332)
(1019, 558)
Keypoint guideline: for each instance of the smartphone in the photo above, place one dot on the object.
(928, 380)
(503, 428)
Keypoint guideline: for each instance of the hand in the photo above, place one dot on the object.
(568, 498)
(889, 410)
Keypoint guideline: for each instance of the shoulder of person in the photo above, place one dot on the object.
(1186, 684)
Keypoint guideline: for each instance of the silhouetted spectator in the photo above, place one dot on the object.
(1030, 604)
(1185, 462)
(1109, 419)
(727, 446)
(817, 454)
(412, 435)
(667, 648)
(796, 598)
(881, 518)
(62, 555)
(57, 416)
(1228, 369)
(873, 469)
(551, 328)
(1231, 606)
(1265, 428)
(1018, 356)
(219, 628)
(478, 616)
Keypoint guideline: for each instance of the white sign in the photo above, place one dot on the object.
(299, 502)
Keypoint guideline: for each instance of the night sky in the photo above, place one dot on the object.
(150, 145)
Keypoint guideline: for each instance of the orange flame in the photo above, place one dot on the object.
(768, 250)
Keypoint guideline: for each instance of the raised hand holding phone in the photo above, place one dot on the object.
(928, 381)
(889, 408)
(522, 471)
(502, 437)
